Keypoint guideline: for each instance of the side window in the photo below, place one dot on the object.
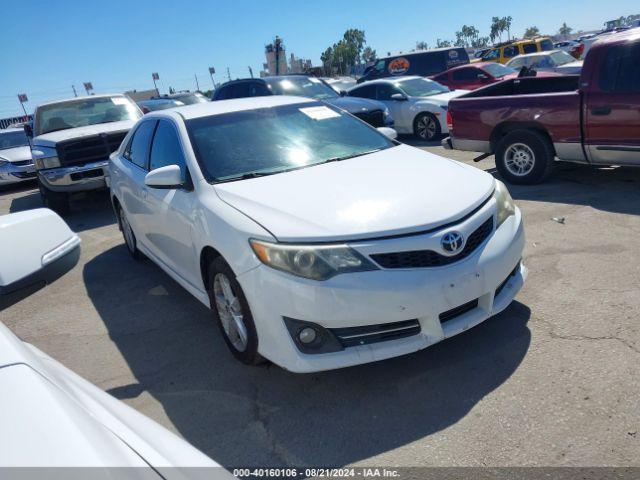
(166, 149)
(380, 65)
(138, 150)
(546, 45)
(443, 77)
(366, 91)
(510, 52)
(529, 48)
(385, 90)
(258, 89)
(222, 93)
(492, 54)
(620, 71)
(516, 63)
(465, 74)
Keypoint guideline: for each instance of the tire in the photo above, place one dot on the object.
(56, 201)
(426, 127)
(242, 342)
(127, 233)
(524, 157)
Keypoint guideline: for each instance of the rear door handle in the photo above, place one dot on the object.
(601, 111)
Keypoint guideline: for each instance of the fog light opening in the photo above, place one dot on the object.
(307, 335)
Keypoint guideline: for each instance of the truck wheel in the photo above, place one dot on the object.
(232, 313)
(56, 201)
(426, 127)
(524, 157)
(129, 237)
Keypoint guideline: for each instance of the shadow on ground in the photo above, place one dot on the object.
(249, 416)
(87, 210)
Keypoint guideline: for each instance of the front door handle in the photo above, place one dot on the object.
(601, 110)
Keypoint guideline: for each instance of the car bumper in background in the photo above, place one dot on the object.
(418, 306)
(11, 173)
(90, 176)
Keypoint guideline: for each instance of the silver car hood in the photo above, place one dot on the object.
(16, 154)
(50, 139)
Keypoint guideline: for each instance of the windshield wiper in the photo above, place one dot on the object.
(245, 176)
(339, 159)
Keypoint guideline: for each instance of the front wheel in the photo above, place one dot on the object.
(232, 313)
(426, 127)
(56, 201)
(524, 157)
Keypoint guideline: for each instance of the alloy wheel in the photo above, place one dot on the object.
(230, 312)
(427, 127)
(519, 159)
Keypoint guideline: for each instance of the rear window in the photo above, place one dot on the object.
(620, 71)
(546, 45)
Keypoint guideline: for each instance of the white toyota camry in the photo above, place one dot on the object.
(317, 241)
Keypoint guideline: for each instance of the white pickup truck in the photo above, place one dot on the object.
(72, 140)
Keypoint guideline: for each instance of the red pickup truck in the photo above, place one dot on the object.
(527, 123)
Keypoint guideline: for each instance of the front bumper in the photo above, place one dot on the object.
(386, 296)
(90, 176)
(11, 173)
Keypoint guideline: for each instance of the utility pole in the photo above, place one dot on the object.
(228, 74)
(251, 72)
(75, 94)
(197, 85)
(211, 72)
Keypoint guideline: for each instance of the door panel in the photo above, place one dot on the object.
(612, 109)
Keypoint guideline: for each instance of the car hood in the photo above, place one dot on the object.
(17, 154)
(51, 417)
(50, 139)
(395, 191)
(442, 98)
(356, 105)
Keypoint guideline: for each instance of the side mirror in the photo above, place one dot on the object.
(28, 129)
(399, 97)
(36, 259)
(144, 109)
(343, 93)
(388, 132)
(169, 177)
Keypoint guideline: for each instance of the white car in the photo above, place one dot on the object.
(317, 241)
(553, 61)
(417, 105)
(16, 164)
(50, 416)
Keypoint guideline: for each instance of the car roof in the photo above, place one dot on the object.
(418, 52)
(220, 107)
(399, 78)
(83, 97)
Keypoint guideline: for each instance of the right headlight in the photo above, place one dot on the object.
(46, 162)
(316, 262)
(504, 202)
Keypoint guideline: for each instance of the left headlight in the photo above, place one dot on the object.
(316, 262)
(504, 202)
(47, 162)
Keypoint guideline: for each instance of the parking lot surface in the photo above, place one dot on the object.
(551, 381)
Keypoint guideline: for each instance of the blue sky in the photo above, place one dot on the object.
(49, 45)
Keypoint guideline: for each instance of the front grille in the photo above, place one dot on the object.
(24, 175)
(506, 280)
(22, 163)
(457, 311)
(353, 336)
(375, 118)
(429, 258)
(89, 149)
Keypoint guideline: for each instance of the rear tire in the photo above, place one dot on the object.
(524, 157)
(426, 127)
(56, 201)
(127, 233)
(232, 313)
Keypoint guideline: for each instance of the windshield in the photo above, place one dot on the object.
(302, 86)
(80, 113)
(265, 141)
(498, 70)
(13, 139)
(561, 58)
(191, 98)
(421, 87)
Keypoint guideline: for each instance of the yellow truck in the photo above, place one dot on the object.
(504, 52)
